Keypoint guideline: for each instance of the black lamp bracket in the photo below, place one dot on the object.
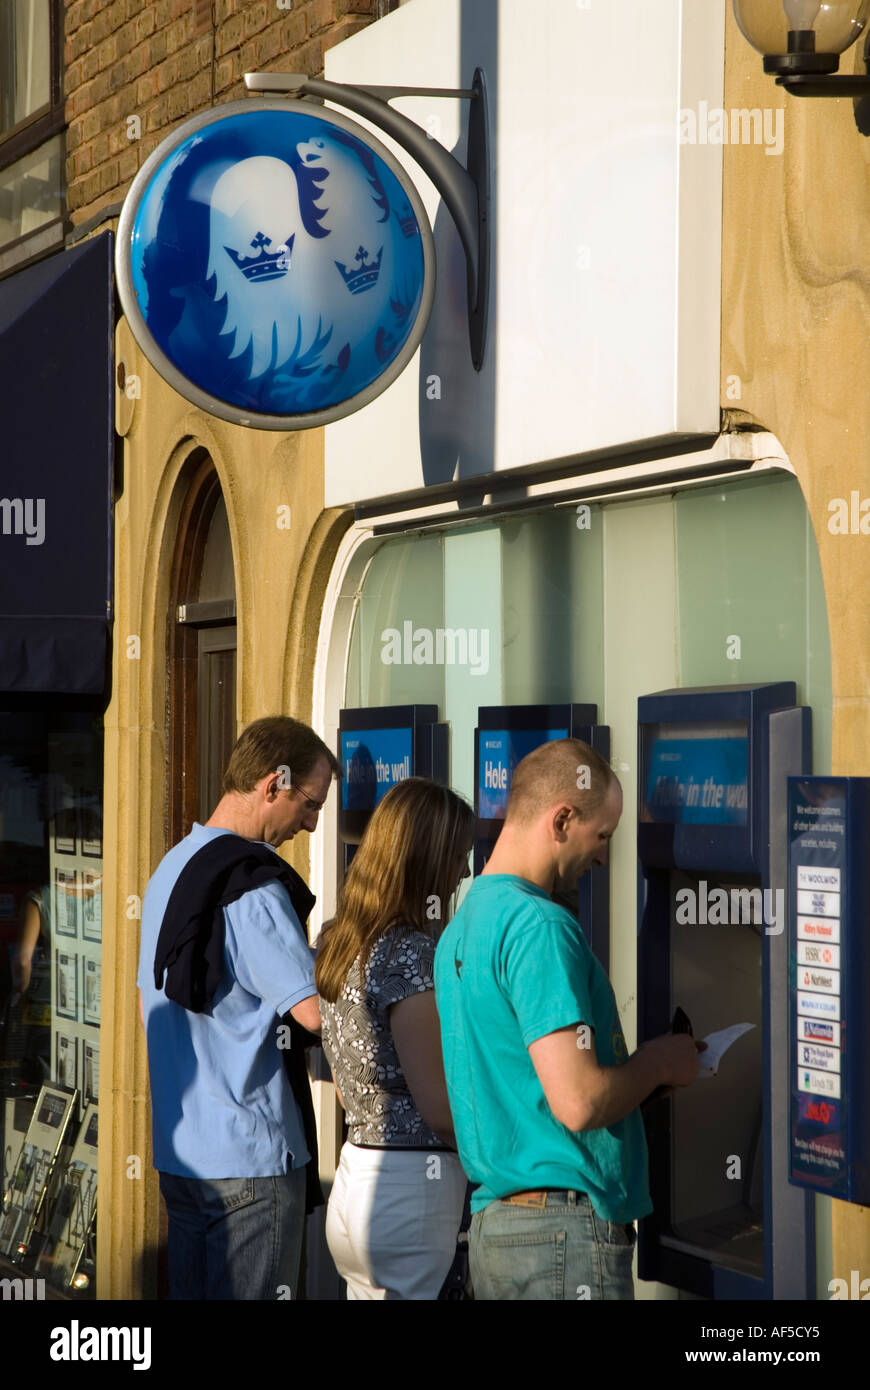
(823, 84)
(465, 190)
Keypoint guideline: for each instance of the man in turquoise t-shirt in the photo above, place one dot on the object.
(543, 1094)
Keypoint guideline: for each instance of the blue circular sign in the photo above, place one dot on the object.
(275, 264)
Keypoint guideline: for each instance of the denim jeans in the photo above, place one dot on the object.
(238, 1238)
(562, 1250)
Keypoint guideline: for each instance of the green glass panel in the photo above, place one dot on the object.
(639, 657)
(750, 600)
(553, 630)
(472, 612)
(818, 648)
(403, 592)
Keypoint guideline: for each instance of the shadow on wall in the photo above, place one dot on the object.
(457, 403)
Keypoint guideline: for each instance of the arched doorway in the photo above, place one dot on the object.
(201, 665)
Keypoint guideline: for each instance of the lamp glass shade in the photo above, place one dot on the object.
(766, 24)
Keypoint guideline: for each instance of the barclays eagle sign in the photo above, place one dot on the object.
(275, 264)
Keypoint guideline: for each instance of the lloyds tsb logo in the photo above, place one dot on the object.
(442, 646)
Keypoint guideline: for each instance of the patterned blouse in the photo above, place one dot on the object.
(358, 1043)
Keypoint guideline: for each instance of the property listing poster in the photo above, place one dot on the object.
(76, 905)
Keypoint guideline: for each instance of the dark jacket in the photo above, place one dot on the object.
(190, 950)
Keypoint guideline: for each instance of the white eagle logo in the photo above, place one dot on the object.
(300, 253)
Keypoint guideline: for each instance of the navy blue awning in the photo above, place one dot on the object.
(56, 462)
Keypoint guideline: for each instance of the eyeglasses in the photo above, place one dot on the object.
(310, 805)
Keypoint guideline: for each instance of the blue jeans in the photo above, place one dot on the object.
(238, 1238)
(562, 1250)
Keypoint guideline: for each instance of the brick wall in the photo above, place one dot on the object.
(136, 68)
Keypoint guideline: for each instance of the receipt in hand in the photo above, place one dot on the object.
(717, 1045)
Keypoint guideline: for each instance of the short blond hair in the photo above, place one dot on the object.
(552, 774)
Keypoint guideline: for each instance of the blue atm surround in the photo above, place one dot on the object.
(829, 985)
(713, 765)
(504, 735)
(379, 746)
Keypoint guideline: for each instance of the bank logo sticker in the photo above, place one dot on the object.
(820, 1058)
(825, 981)
(819, 928)
(824, 1006)
(819, 1083)
(275, 264)
(824, 880)
(818, 904)
(815, 1030)
(816, 953)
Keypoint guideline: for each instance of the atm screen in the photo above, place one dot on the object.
(499, 752)
(372, 761)
(696, 773)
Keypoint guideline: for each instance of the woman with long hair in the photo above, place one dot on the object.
(396, 1203)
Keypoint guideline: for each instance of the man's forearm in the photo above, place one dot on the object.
(617, 1091)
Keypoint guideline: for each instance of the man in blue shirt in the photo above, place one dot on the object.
(543, 1094)
(228, 1135)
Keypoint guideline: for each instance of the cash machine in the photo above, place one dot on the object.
(378, 747)
(504, 735)
(713, 765)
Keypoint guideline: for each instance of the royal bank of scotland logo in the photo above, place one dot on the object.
(275, 265)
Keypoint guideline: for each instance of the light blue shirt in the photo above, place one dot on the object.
(221, 1102)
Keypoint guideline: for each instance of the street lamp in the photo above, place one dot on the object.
(802, 40)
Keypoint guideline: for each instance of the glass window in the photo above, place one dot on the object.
(709, 586)
(32, 180)
(750, 596)
(31, 191)
(51, 866)
(403, 585)
(25, 60)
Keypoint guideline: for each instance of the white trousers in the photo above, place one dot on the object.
(392, 1221)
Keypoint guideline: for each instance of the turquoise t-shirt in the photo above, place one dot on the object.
(511, 967)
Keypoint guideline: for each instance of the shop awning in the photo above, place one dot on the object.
(56, 450)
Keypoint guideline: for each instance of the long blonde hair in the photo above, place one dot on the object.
(402, 876)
